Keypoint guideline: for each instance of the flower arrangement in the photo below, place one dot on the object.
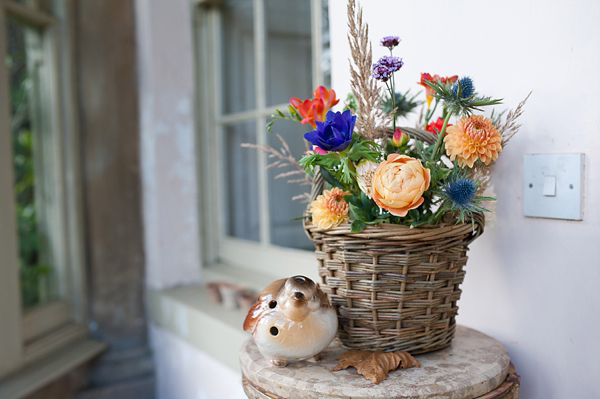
(379, 173)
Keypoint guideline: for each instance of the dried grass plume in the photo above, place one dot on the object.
(371, 120)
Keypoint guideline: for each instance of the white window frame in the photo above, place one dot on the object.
(27, 335)
(218, 248)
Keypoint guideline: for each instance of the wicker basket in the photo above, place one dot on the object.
(394, 287)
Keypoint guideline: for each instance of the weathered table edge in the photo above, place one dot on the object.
(509, 389)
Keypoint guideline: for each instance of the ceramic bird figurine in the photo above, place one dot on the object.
(292, 320)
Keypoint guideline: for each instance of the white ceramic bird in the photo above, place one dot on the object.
(292, 320)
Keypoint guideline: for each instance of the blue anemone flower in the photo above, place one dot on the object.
(467, 88)
(461, 192)
(335, 134)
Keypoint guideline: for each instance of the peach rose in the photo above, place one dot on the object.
(399, 184)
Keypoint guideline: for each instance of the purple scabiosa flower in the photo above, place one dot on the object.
(335, 134)
(390, 41)
(383, 69)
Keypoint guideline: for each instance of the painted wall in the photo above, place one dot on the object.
(168, 145)
(184, 372)
(531, 283)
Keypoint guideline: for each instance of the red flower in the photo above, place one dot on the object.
(315, 109)
(436, 127)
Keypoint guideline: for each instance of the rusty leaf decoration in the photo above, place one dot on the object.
(375, 366)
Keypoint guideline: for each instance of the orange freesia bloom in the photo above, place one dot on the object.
(450, 79)
(428, 90)
(309, 110)
(436, 78)
(315, 109)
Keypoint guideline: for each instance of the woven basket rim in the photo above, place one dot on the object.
(387, 231)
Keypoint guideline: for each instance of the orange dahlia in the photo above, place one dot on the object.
(330, 209)
(472, 138)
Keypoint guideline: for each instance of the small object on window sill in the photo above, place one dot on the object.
(292, 320)
(230, 294)
(376, 365)
(214, 291)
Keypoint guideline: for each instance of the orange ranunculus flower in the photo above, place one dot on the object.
(330, 209)
(315, 109)
(399, 184)
(474, 137)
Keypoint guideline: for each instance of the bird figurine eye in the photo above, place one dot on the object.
(272, 305)
(274, 331)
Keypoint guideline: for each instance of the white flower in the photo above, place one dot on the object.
(365, 170)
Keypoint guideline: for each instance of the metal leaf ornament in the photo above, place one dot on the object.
(375, 366)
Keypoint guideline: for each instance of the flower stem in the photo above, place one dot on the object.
(441, 135)
(393, 94)
(430, 112)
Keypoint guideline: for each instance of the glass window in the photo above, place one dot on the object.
(35, 260)
(264, 56)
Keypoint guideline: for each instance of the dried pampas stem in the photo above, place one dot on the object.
(510, 127)
(371, 121)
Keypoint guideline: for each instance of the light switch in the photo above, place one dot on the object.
(549, 186)
(553, 186)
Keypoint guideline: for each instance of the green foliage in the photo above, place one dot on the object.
(341, 165)
(457, 105)
(32, 269)
(496, 118)
(404, 103)
(351, 104)
(293, 116)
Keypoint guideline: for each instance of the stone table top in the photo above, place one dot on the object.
(473, 365)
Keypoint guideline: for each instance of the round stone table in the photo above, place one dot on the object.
(473, 366)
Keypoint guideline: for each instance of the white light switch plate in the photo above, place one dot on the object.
(566, 203)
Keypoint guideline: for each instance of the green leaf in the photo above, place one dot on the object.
(357, 226)
(359, 213)
(329, 178)
(353, 200)
(367, 203)
(414, 214)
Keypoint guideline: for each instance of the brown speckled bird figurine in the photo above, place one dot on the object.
(292, 320)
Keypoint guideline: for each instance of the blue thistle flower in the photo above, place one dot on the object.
(461, 192)
(467, 88)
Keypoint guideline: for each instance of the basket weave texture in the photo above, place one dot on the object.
(394, 287)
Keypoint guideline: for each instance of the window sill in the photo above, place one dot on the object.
(188, 313)
(50, 368)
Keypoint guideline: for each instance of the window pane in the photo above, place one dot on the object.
(35, 258)
(238, 56)
(240, 165)
(285, 231)
(288, 47)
